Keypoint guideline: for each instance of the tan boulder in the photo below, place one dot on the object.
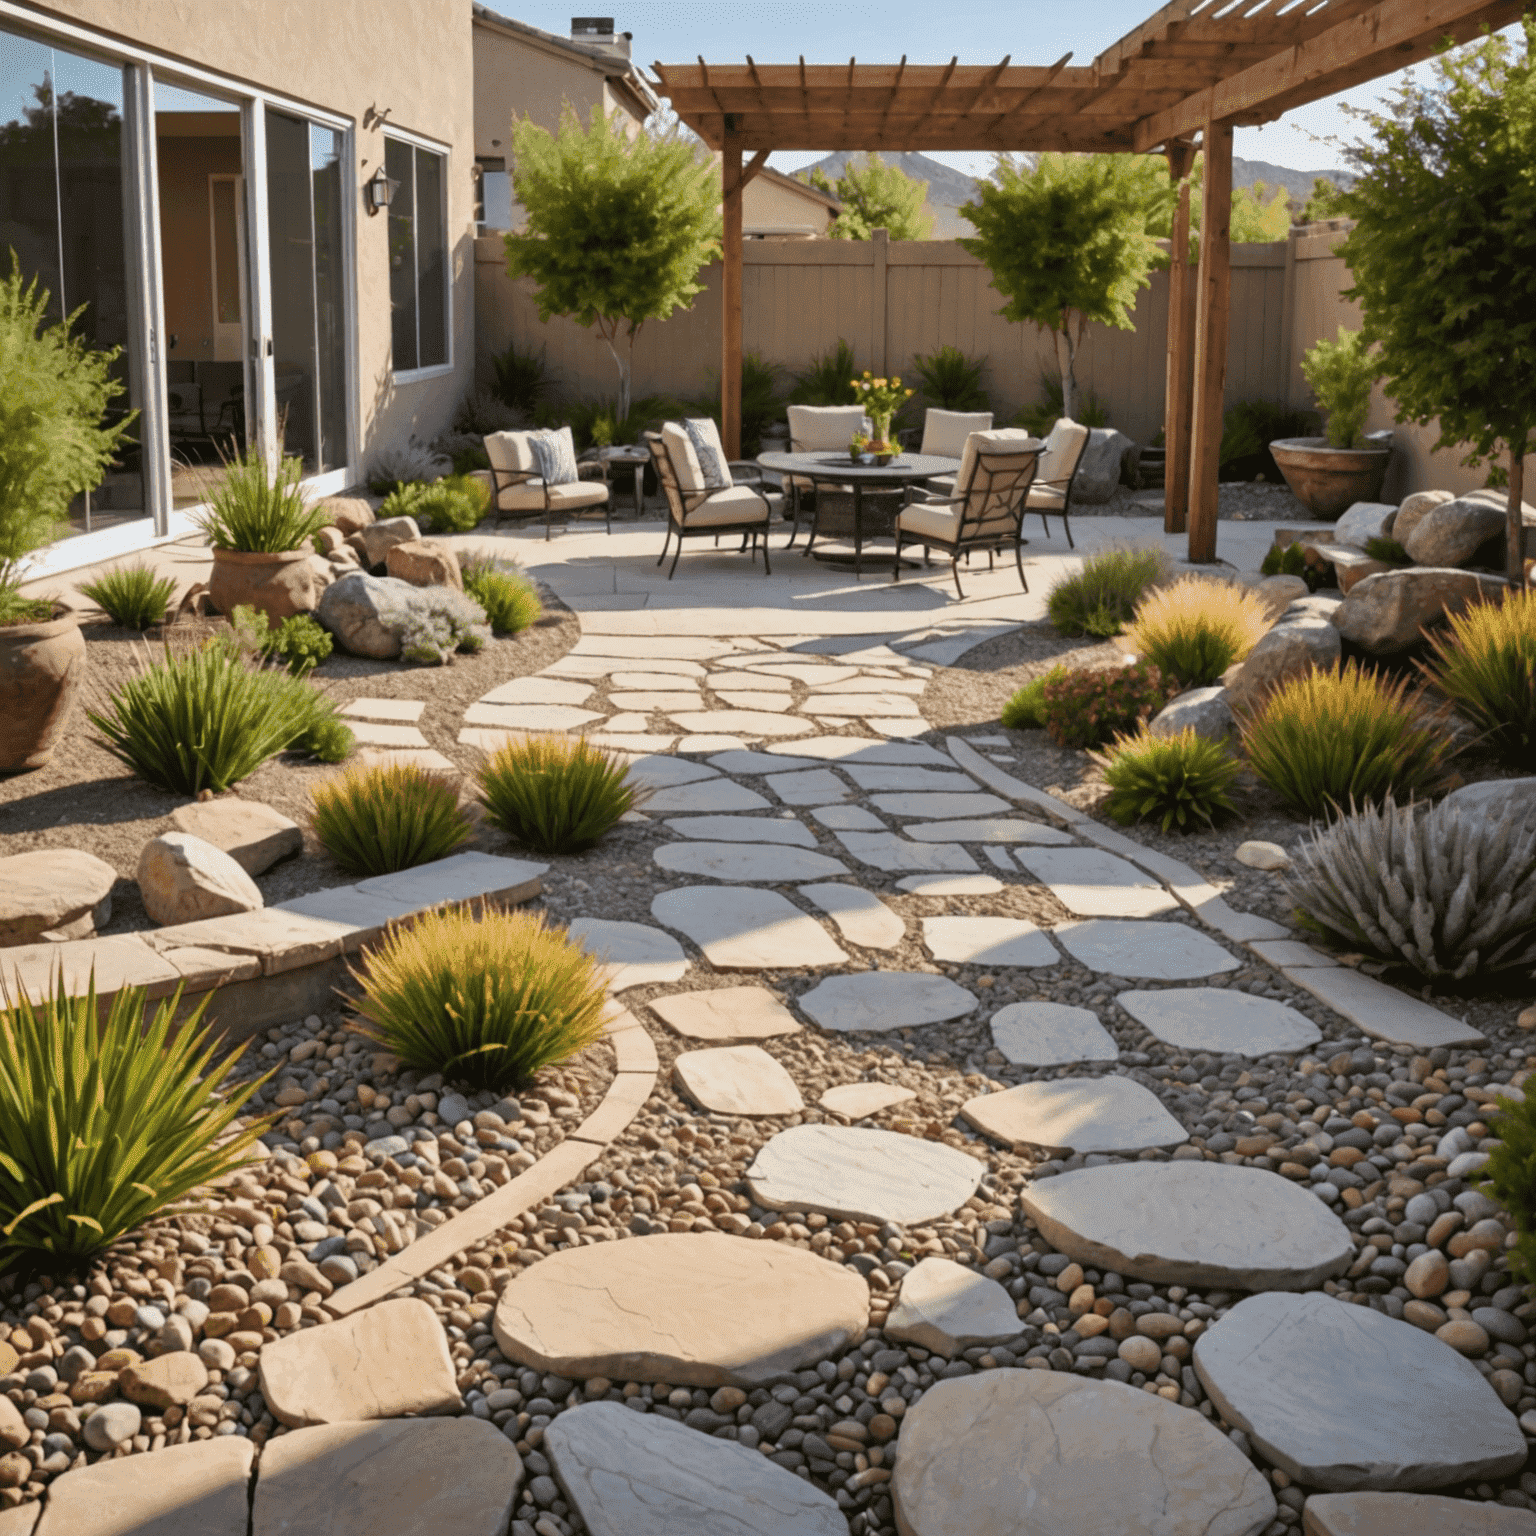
(183, 879)
(350, 514)
(254, 835)
(53, 893)
(168, 1381)
(1414, 510)
(1389, 613)
(424, 563)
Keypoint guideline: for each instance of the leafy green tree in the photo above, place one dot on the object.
(618, 228)
(1323, 202)
(1254, 221)
(875, 196)
(1443, 254)
(1069, 241)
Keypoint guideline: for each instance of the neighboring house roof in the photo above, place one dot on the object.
(629, 83)
(805, 189)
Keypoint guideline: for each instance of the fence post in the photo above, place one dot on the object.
(879, 300)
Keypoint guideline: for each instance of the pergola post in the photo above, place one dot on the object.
(1211, 328)
(1178, 395)
(731, 183)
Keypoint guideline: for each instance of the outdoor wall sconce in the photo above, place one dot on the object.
(379, 192)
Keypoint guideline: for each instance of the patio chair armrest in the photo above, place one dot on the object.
(931, 498)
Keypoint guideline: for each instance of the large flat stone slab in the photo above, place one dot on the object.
(659, 770)
(814, 786)
(726, 1013)
(633, 953)
(1051, 1035)
(253, 834)
(892, 852)
(860, 749)
(946, 1307)
(528, 717)
(861, 917)
(745, 930)
(857, 1101)
(1221, 1019)
(183, 1490)
(860, 1174)
(950, 885)
(743, 761)
(389, 1360)
(1091, 883)
(737, 1080)
(768, 863)
(1082, 1114)
(882, 776)
(851, 704)
(697, 1309)
(749, 724)
(939, 806)
(744, 829)
(704, 797)
(639, 1474)
(400, 1478)
(1411, 1514)
(459, 877)
(1044, 1453)
(991, 829)
(1381, 1011)
(881, 1000)
(1146, 951)
(1202, 1225)
(531, 690)
(987, 941)
(1335, 1396)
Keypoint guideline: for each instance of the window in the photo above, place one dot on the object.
(418, 256)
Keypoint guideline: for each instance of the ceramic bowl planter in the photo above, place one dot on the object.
(279, 585)
(41, 666)
(1328, 481)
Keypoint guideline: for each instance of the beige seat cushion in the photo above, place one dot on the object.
(529, 496)
(1063, 448)
(945, 432)
(509, 452)
(738, 504)
(819, 428)
(685, 462)
(935, 521)
(1046, 498)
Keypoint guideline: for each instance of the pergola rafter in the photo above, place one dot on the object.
(1194, 67)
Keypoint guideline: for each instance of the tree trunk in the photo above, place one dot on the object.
(623, 361)
(1515, 525)
(1066, 358)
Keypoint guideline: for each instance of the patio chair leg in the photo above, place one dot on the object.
(767, 563)
(991, 560)
(666, 544)
(954, 566)
(896, 563)
(1018, 560)
(1044, 519)
(673, 571)
(1066, 523)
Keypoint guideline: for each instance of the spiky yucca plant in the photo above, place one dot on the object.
(105, 1123)
(1195, 629)
(1487, 668)
(1449, 892)
(133, 597)
(376, 820)
(1180, 781)
(484, 999)
(555, 794)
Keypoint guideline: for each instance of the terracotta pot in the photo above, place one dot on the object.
(279, 585)
(41, 666)
(1328, 481)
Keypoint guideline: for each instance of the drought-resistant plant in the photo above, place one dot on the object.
(439, 622)
(408, 463)
(1250, 427)
(133, 597)
(1179, 781)
(829, 379)
(761, 403)
(1026, 709)
(1341, 374)
(1449, 892)
(555, 794)
(1486, 666)
(1101, 598)
(257, 513)
(522, 378)
(376, 820)
(298, 642)
(486, 1000)
(1327, 741)
(1087, 709)
(874, 196)
(510, 599)
(1389, 551)
(107, 1121)
(1292, 561)
(950, 380)
(1195, 629)
(452, 505)
(1509, 1176)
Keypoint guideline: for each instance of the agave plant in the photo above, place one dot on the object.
(1451, 893)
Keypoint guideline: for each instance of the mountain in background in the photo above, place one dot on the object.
(1297, 183)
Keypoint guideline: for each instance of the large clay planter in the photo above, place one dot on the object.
(41, 666)
(279, 585)
(1328, 481)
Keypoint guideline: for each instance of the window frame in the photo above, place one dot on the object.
(419, 143)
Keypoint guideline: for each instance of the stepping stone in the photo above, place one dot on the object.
(888, 683)
(938, 805)
(726, 1013)
(858, 1174)
(746, 862)
(848, 818)
(744, 829)
(621, 743)
(712, 742)
(877, 777)
(842, 705)
(816, 786)
(987, 941)
(1335, 1395)
(656, 771)
(529, 717)
(760, 678)
(653, 682)
(999, 858)
(253, 834)
(389, 1360)
(634, 953)
(809, 673)
(644, 703)
(843, 748)
(739, 1080)
(426, 759)
(1091, 883)
(1051, 1035)
(696, 1309)
(945, 1307)
(369, 734)
(1381, 1011)
(407, 711)
(742, 761)
(857, 1101)
(861, 917)
(950, 885)
(1221, 1019)
(671, 648)
(906, 728)
(776, 703)
(1411, 1514)
(639, 1474)
(1081, 1114)
(1203, 1225)
(537, 690)
(1045, 1453)
(410, 1475)
(890, 851)
(992, 830)
(746, 930)
(1148, 951)
(617, 726)
(748, 723)
(881, 1000)
(710, 797)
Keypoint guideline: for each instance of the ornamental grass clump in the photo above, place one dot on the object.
(376, 820)
(453, 505)
(1101, 599)
(510, 599)
(1087, 709)
(1486, 667)
(107, 1121)
(1326, 741)
(555, 794)
(256, 513)
(133, 597)
(1026, 709)
(485, 999)
(1180, 781)
(1195, 629)
(1447, 891)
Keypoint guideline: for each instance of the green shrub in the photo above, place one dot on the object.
(1250, 427)
(1487, 668)
(1087, 709)
(454, 505)
(1195, 629)
(1509, 1177)
(1388, 550)
(1329, 741)
(510, 600)
(106, 1122)
(951, 381)
(133, 597)
(257, 514)
(522, 379)
(208, 718)
(555, 794)
(1341, 374)
(439, 622)
(412, 462)
(299, 642)
(829, 379)
(1101, 598)
(1026, 709)
(596, 423)
(1179, 781)
(486, 1000)
(1291, 561)
(376, 820)
(761, 403)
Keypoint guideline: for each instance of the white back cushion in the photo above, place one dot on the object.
(509, 452)
(685, 462)
(1063, 448)
(945, 432)
(815, 428)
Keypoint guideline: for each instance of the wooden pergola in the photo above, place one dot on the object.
(1177, 84)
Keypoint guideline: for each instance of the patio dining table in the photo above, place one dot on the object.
(836, 468)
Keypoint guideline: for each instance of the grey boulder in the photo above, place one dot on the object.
(1388, 613)
(1099, 470)
(379, 538)
(365, 612)
(1415, 509)
(1497, 799)
(1364, 521)
(1303, 641)
(1205, 710)
(1453, 532)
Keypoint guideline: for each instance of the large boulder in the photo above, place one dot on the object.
(53, 893)
(254, 835)
(1496, 799)
(1452, 533)
(424, 563)
(1415, 509)
(1388, 613)
(379, 538)
(1099, 471)
(365, 613)
(182, 879)
(1205, 710)
(351, 514)
(1303, 641)
(1350, 565)
(1364, 521)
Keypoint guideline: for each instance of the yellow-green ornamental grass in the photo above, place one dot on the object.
(555, 794)
(1487, 668)
(374, 821)
(1195, 629)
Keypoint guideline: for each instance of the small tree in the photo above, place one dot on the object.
(875, 196)
(1443, 254)
(1253, 221)
(1068, 242)
(1322, 202)
(618, 228)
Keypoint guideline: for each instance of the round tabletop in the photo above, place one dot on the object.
(834, 465)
